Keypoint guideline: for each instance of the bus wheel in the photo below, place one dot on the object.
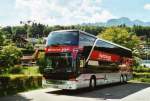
(121, 79)
(125, 79)
(92, 83)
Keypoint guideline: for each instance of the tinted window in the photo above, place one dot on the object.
(59, 62)
(86, 40)
(63, 38)
(101, 66)
(110, 48)
(104, 46)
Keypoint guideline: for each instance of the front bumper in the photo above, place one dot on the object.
(68, 85)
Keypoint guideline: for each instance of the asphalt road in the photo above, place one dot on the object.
(113, 92)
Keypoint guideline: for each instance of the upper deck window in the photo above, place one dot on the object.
(62, 38)
(86, 40)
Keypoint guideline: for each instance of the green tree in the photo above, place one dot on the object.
(47, 30)
(7, 31)
(120, 36)
(36, 30)
(6, 36)
(19, 31)
(1, 38)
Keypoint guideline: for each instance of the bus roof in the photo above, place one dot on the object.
(66, 30)
(95, 37)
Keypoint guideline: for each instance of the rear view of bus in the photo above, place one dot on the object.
(76, 59)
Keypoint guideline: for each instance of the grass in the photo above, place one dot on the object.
(24, 71)
(31, 70)
(141, 75)
(141, 80)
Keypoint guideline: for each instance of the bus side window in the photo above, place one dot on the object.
(92, 66)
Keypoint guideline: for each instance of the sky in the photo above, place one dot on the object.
(69, 12)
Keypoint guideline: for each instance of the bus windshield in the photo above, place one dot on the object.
(62, 38)
(58, 63)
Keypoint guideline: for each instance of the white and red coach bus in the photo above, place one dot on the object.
(76, 59)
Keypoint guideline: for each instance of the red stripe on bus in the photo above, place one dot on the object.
(62, 48)
(99, 55)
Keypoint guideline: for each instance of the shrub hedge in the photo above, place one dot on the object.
(13, 84)
(141, 75)
(141, 69)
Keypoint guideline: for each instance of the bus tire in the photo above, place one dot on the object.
(92, 84)
(125, 78)
(121, 79)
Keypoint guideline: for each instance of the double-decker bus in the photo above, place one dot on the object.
(76, 59)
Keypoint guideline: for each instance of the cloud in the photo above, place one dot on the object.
(147, 6)
(63, 12)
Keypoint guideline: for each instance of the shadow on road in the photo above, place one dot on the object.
(111, 91)
(17, 97)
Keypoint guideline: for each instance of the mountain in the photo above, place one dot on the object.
(123, 20)
(120, 21)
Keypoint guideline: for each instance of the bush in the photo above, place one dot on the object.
(10, 55)
(17, 83)
(16, 70)
(26, 51)
(141, 74)
(30, 70)
(29, 46)
(41, 62)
